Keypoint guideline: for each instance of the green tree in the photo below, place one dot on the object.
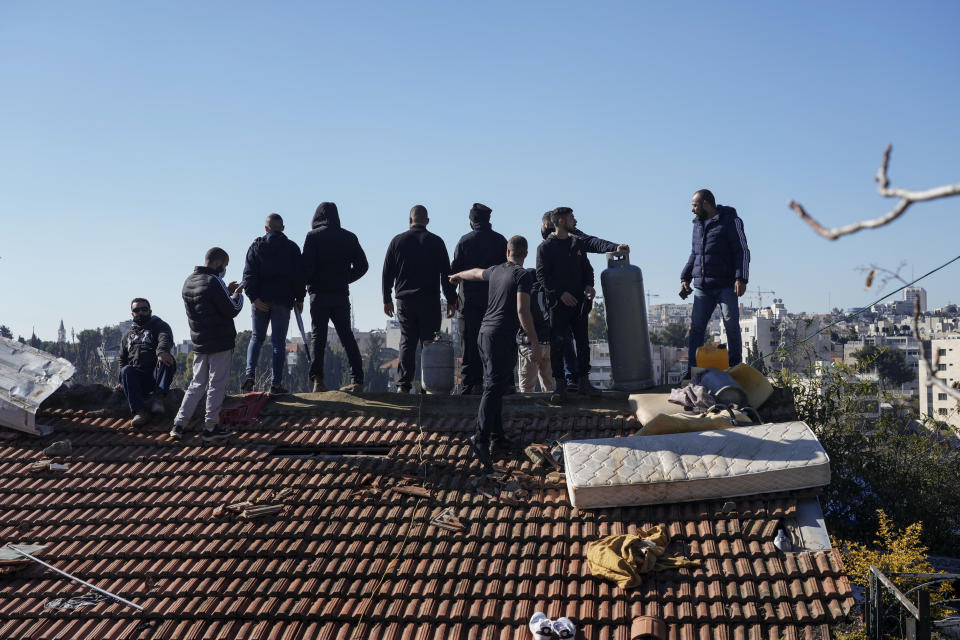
(5, 331)
(597, 322)
(889, 363)
(674, 334)
(373, 377)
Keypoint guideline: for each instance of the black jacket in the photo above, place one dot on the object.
(562, 265)
(140, 345)
(210, 311)
(481, 248)
(332, 256)
(272, 270)
(593, 244)
(416, 262)
(719, 255)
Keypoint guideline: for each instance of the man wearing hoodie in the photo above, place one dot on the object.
(417, 265)
(481, 248)
(274, 283)
(146, 366)
(332, 260)
(719, 267)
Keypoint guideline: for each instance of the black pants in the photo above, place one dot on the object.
(563, 319)
(323, 308)
(471, 369)
(419, 321)
(139, 383)
(499, 354)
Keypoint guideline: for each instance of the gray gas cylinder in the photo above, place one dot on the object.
(627, 331)
(436, 366)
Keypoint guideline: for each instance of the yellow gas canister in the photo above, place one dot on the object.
(711, 356)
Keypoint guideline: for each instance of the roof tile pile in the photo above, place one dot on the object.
(351, 552)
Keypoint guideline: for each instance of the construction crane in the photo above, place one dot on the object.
(649, 311)
(760, 293)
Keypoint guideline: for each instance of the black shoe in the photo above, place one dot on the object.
(559, 396)
(404, 388)
(504, 447)
(142, 419)
(587, 389)
(218, 433)
(482, 454)
(247, 385)
(277, 390)
(572, 387)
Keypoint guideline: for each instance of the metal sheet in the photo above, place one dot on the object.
(27, 377)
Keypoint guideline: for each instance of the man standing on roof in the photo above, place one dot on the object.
(534, 360)
(719, 267)
(273, 280)
(566, 276)
(417, 265)
(481, 248)
(332, 261)
(146, 366)
(211, 307)
(508, 310)
(591, 244)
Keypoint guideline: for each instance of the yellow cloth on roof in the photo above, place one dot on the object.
(625, 557)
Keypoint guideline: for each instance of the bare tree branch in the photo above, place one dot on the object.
(930, 367)
(906, 196)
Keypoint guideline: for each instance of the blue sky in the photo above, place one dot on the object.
(135, 136)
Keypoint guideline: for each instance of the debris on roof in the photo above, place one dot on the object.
(27, 377)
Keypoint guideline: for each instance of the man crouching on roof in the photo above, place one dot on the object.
(508, 309)
(146, 366)
(211, 307)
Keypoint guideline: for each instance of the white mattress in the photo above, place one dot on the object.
(700, 465)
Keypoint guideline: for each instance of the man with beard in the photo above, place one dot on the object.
(146, 366)
(332, 260)
(567, 279)
(719, 267)
(591, 244)
(481, 248)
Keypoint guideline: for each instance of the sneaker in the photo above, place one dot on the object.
(353, 387)
(504, 446)
(247, 385)
(277, 390)
(218, 433)
(157, 407)
(572, 386)
(482, 454)
(176, 432)
(404, 388)
(142, 419)
(318, 386)
(559, 395)
(564, 628)
(541, 626)
(587, 389)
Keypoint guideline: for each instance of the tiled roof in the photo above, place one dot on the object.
(135, 514)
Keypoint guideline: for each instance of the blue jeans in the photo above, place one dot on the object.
(704, 302)
(278, 317)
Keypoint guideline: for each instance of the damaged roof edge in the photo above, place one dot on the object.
(27, 377)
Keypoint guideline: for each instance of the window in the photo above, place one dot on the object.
(941, 367)
(941, 396)
(942, 411)
(941, 352)
(746, 329)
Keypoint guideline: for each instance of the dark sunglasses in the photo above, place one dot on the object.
(141, 309)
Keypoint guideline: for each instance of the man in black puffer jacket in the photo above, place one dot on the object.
(211, 307)
(274, 283)
(146, 366)
(332, 260)
(719, 267)
(481, 248)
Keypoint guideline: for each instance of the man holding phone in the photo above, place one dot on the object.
(211, 306)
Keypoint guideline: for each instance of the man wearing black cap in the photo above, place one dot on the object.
(567, 278)
(508, 310)
(591, 244)
(416, 265)
(481, 248)
(332, 260)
